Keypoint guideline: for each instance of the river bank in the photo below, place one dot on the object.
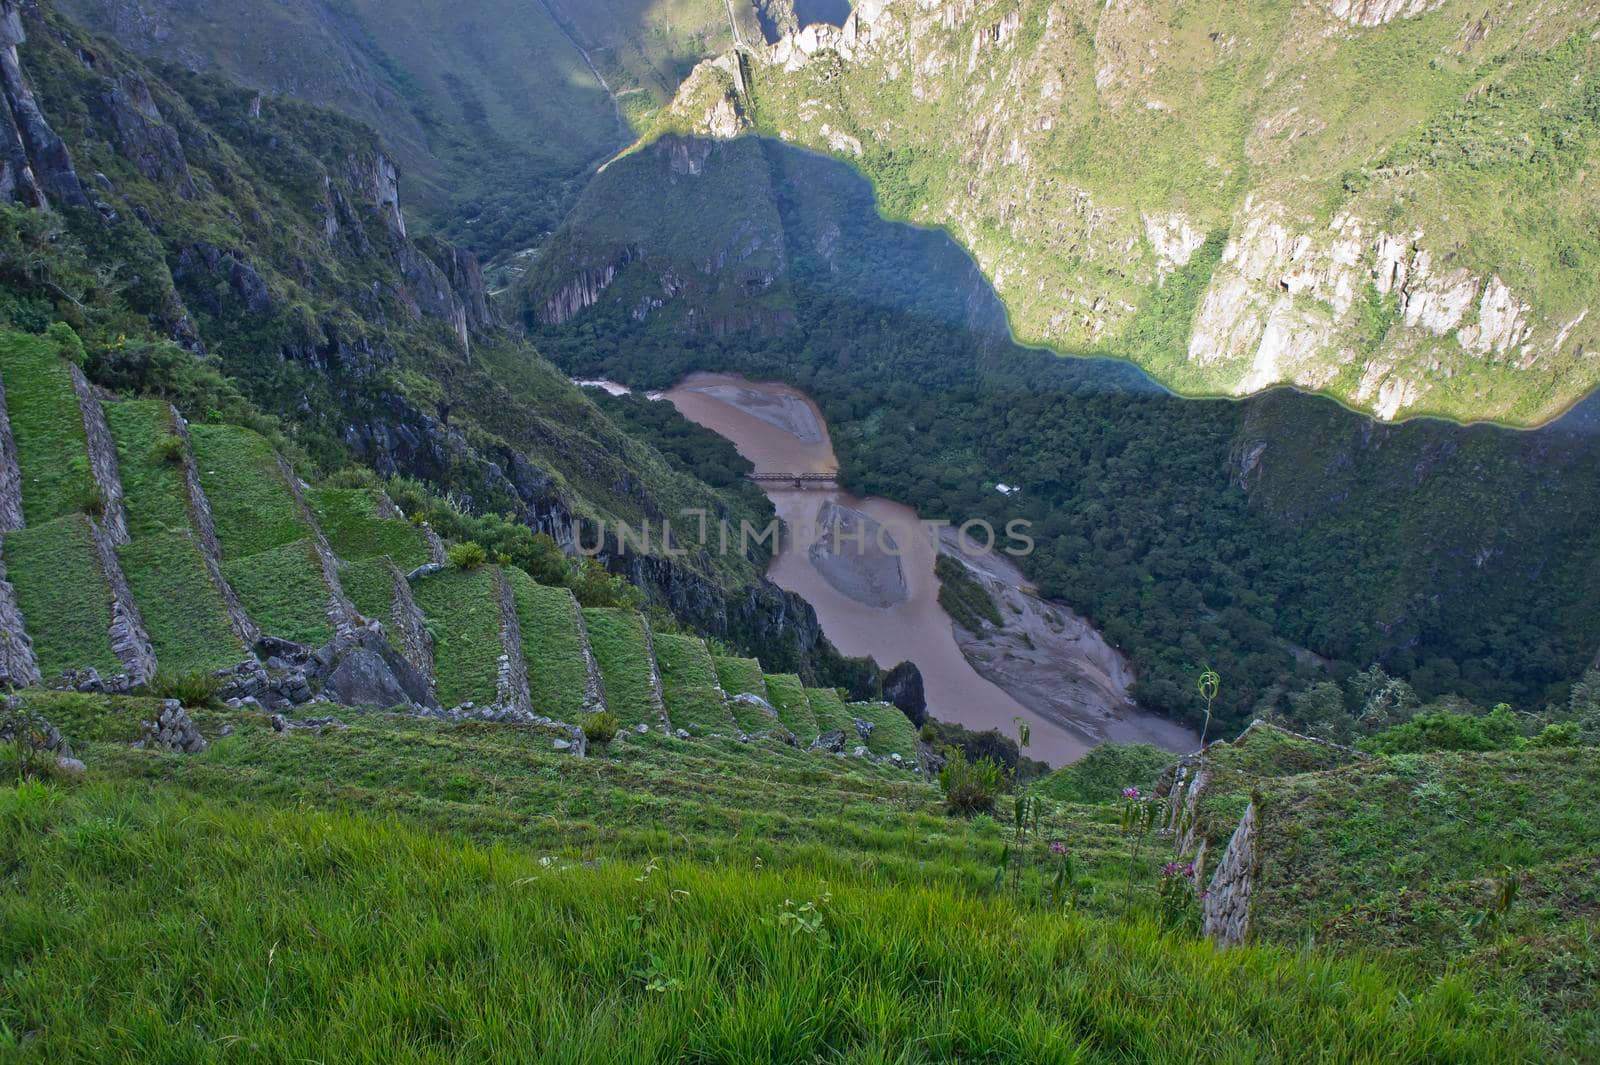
(867, 567)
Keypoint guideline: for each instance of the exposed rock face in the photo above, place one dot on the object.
(129, 640)
(19, 668)
(35, 166)
(594, 691)
(143, 136)
(102, 459)
(201, 263)
(1227, 903)
(369, 672)
(831, 742)
(580, 292)
(1377, 12)
(10, 474)
(512, 678)
(902, 686)
(410, 627)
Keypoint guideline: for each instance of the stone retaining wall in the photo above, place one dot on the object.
(205, 530)
(102, 459)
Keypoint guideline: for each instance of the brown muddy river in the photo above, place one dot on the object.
(867, 567)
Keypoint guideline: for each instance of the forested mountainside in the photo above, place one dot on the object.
(1278, 539)
(497, 111)
(247, 259)
(1390, 203)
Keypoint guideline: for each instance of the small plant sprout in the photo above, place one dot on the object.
(1209, 684)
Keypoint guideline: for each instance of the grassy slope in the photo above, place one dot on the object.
(892, 733)
(1330, 840)
(552, 646)
(689, 685)
(1100, 775)
(48, 426)
(475, 956)
(830, 712)
(63, 595)
(743, 676)
(267, 549)
(349, 519)
(370, 586)
(183, 613)
(617, 639)
(789, 698)
(463, 613)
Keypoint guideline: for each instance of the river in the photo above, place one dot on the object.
(867, 567)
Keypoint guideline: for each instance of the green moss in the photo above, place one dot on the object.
(689, 686)
(282, 590)
(63, 595)
(48, 426)
(552, 646)
(463, 614)
(349, 519)
(892, 733)
(186, 618)
(616, 638)
(251, 503)
(788, 696)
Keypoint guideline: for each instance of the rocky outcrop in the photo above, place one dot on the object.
(1370, 13)
(173, 731)
(19, 667)
(902, 686)
(428, 291)
(142, 135)
(511, 681)
(201, 265)
(10, 474)
(129, 640)
(36, 169)
(364, 669)
(205, 532)
(1226, 905)
(580, 291)
(102, 459)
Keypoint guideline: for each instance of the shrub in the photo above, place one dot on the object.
(196, 691)
(467, 556)
(601, 728)
(970, 787)
(1498, 730)
(170, 449)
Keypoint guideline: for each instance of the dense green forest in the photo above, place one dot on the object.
(1281, 540)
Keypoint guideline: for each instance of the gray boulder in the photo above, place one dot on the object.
(832, 742)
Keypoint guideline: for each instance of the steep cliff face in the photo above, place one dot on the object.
(1390, 201)
(36, 168)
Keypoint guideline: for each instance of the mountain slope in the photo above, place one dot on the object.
(496, 112)
(1389, 203)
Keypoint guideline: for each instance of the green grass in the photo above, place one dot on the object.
(743, 676)
(831, 714)
(203, 930)
(251, 502)
(282, 590)
(616, 638)
(349, 519)
(154, 493)
(48, 426)
(788, 697)
(552, 647)
(369, 584)
(63, 595)
(186, 618)
(463, 613)
(1332, 840)
(1102, 773)
(893, 732)
(689, 686)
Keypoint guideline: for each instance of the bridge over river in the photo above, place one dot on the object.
(797, 480)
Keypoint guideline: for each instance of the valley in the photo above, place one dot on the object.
(897, 617)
